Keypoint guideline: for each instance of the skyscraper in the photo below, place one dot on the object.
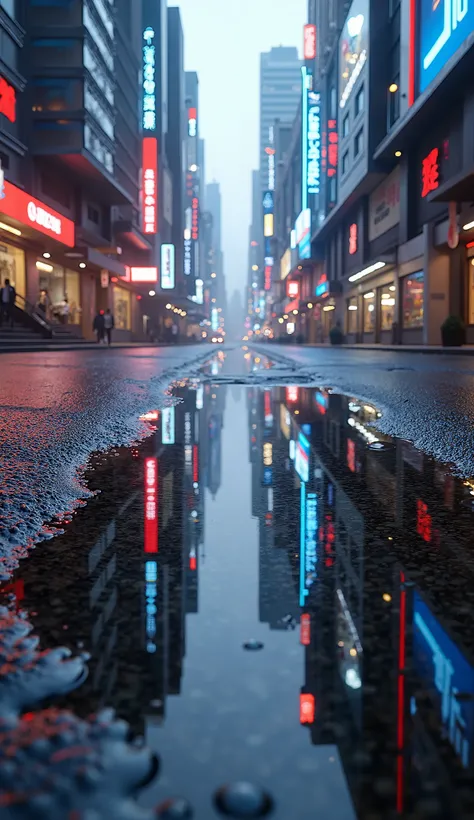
(280, 91)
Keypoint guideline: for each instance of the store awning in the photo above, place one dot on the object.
(23, 214)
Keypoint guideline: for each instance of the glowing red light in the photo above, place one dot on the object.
(150, 185)
(307, 709)
(32, 212)
(424, 521)
(7, 100)
(292, 394)
(351, 455)
(353, 239)
(195, 464)
(430, 172)
(192, 563)
(305, 630)
(151, 505)
(309, 42)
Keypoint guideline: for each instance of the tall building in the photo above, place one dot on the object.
(176, 137)
(192, 259)
(280, 92)
(214, 207)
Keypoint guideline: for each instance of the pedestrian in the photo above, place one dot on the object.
(7, 302)
(99, 326)
(65, 311)
(109, 324)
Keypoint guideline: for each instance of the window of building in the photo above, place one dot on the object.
(93, 215)
(345, 126)
(122, 309)
(369, 312)
(56, 94)
(97, 147)
(359, 101)
(12, 267)
(359, 142)
(387, 307)
(393, 103)
(59, 293)
(93, 64)
(413, 293)
(345, 162)
(96, 107)
(352, 311)
(333, 102)
(9, 6)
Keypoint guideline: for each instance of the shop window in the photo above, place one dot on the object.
(12, 267)
(369, 312)
(352, 312)
(122, 309)
(359, 142)
(387, 307)
(59, 295)
(359, 101)
(413, 291)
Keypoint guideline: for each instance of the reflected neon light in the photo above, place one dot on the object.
(307, 709)
(305, 630)
(151, 505)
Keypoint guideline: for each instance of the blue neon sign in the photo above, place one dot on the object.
(149, 81)
(308, 542)
(444, 27)
(313, 171)
(302, 457)
(439, 662)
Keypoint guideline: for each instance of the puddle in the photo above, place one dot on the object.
(270, 591)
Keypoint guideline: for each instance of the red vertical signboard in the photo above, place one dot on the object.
(151, 505)
(150, 185)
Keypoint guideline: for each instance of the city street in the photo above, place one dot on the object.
(263, 584)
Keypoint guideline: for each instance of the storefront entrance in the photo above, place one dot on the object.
(12, 267)
(59, 294)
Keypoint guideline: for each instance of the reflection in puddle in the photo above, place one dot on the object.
(278, 521)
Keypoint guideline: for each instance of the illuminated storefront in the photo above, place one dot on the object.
(122, 308)
(12, 266)
(61, 286)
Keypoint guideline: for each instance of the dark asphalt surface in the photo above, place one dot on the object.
(56, 409)
(428, 399)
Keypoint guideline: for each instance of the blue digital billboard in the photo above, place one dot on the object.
(444, 26)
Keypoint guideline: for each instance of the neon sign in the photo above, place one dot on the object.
(309, 560)
(149, 84)
(430, 172)
(293, 290)
(305, 630)
(444, 28)
(167, 267)
(150, 185)
(309, 42)
(307, 709)
(353, 239)
(192, 122)
(268, 277)
(7, 100)
(302, 458)
(151, 595)
(149, 275)
(151, 505)
(30, 211)
(195, 219)
(314, 143)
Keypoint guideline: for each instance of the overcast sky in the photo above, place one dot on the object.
(223, 41)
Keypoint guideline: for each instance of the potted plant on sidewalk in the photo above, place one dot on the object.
(453, 332)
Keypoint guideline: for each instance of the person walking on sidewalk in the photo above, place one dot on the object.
(109, 324)
(7, 302)
(99, 326)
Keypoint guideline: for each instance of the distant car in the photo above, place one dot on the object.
(216, 339)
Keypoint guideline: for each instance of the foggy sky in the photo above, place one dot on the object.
(223, 40)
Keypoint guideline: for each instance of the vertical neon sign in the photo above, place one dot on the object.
(149, 83)
(151, 505)
(304, 131)
(150, 185)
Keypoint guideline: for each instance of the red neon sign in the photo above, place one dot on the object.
(7, 100)
(333, 148)
(268, 277)
(424, 521)
(351, 453)
(430, 172)
(32, 212)
(309, 42)
(195, 219)
(150, 185)
(293, 290)
(292, 395)
(353, 239)
(151, 505)
(195, 464)
(307, 709)
(268, 404)
(144, 275)
(305, 630)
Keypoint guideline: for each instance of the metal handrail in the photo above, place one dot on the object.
(33, 311)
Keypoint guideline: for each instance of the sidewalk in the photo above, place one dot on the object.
(466, 350)
(41, 347)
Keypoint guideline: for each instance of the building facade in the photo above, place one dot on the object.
(392, 219)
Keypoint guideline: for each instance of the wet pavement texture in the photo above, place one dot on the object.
(425, 397)
(274, 594)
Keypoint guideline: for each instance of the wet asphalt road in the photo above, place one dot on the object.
(428, 399)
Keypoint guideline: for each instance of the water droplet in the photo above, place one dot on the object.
(253, 645)
(243, 800)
